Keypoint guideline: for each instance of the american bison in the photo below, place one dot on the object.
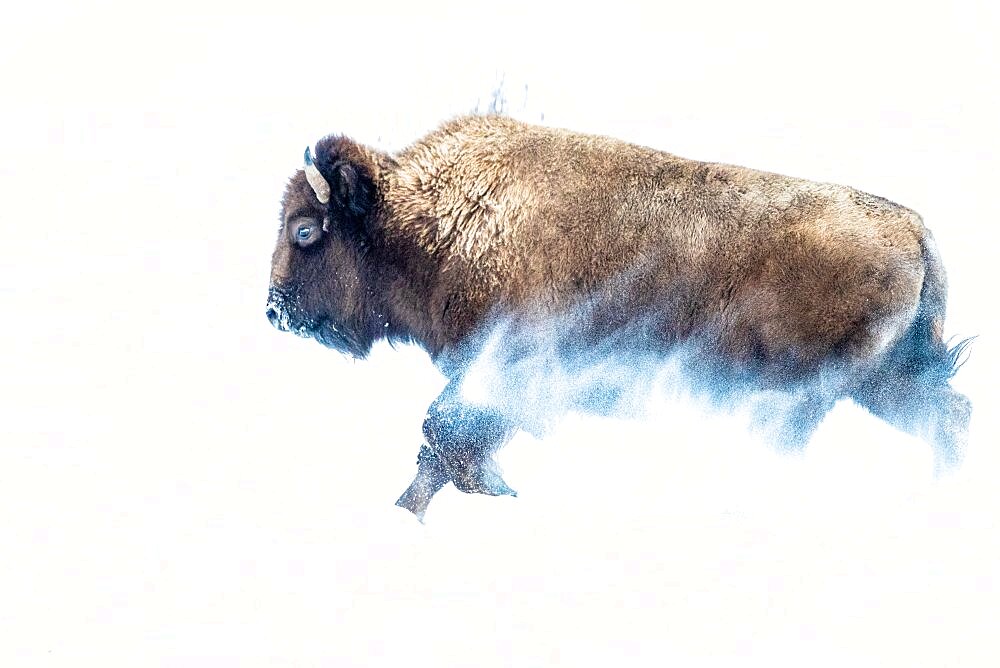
(584, 245)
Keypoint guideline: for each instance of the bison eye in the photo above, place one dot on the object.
(304, 232)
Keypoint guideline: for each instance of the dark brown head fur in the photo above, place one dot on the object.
(318, 281)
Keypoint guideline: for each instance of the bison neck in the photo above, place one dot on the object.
(418, 297)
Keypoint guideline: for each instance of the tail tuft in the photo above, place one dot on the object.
(955, 357)
(920, 354)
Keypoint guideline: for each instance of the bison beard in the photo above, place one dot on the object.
(535, 252)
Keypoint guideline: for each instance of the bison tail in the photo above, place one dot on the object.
(922, 356)
(944, 362)
(922, 352)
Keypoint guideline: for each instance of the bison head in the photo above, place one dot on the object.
(318, 287)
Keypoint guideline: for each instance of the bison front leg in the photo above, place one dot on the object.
(464, 437)
(461, 441)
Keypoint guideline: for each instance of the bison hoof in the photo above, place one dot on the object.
(415, 503)
(431, 477)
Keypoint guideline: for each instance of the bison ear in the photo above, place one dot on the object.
(353, 189)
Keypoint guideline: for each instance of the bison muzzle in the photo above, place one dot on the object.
(582, 246)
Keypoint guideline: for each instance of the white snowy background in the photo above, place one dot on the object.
(182, 485)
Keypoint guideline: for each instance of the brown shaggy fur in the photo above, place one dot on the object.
(488, 217)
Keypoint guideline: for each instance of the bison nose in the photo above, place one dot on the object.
(276, 312)
(273, 315)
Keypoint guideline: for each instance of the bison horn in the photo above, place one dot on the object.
(316, 180)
